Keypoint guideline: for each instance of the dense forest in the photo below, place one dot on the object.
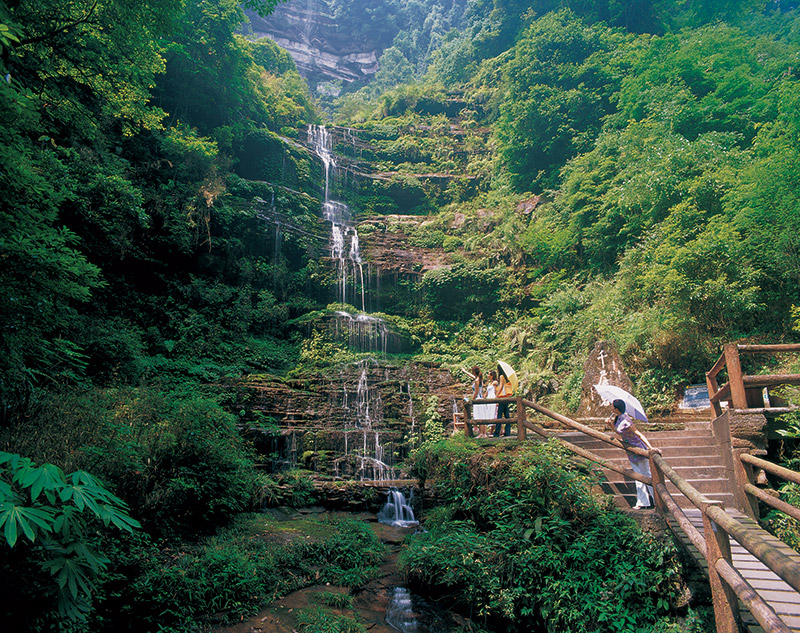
(580, 169)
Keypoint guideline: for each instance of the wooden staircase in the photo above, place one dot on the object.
(692, 453)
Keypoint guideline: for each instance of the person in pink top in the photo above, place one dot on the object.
(623, 425)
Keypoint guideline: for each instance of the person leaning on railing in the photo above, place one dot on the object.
(623, 425)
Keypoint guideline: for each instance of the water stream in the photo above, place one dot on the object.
(400, 613)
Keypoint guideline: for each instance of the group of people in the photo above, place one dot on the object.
(496, 385)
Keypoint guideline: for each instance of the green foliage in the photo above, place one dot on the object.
(319, 620)
(527, 545)
(47, 518)
(293, 488)
(336, 599)
(232, 574)
(560, 85)
(432, 426)
(177, 458)
(463, 289)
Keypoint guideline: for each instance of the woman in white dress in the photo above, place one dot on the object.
(491, 392)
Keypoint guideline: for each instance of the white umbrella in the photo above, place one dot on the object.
(633, 407)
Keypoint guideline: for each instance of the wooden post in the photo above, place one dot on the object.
(726, 604)
(521, 432)
(713, 388)
(468, 419)
(735, 380)
(743, 474)
(658, 478)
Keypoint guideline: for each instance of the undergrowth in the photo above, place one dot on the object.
(522, 544)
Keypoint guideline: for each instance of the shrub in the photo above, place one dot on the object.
(177, 458)
(48, 555)
(184, 588)
(528, 546)
(319, 620)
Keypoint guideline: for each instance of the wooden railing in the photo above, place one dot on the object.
(728, 586)
(739, 385)
(749, 462)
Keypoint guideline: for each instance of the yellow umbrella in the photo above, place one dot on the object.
(511, 376)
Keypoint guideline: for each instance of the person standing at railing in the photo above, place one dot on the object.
(504, 390)
(623, 425)
(477, 393)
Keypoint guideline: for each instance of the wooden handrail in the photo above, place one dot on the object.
(587, 430)
(771, 380)
(735, 389)
(683, 521)
(723, 393)
(779, 347)
(774, 469)
(717, 366)
(774, 502)
(715, 519)
(582, 452)
(761, 611)
(773, 558)
(690, 492)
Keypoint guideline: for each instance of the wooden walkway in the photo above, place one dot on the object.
(780, 596)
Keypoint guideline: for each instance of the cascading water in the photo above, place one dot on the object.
(397, 511)
(400, 614)
(345, 249)
(365, 455)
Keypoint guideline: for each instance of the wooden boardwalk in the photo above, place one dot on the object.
(783, 599)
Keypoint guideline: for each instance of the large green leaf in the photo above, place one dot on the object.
(15, 518)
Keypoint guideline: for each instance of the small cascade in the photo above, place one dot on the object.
(365, 455)
(366, 398)
(399, 613)
(413, 432)
(397, 511)
(364, 333)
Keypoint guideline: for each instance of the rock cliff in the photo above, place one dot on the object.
(325, 49)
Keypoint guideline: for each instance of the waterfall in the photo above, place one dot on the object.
(399, 613)
(411, 414)
(344, 249)
(397, 511)
(364, 451)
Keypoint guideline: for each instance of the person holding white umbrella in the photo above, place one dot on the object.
(505, 389)
(622, 424)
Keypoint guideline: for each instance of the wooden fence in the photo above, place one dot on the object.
(745, 391)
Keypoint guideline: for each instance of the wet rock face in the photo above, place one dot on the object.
(323, 48)
(359, 420)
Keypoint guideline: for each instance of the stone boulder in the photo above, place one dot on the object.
(603, 365)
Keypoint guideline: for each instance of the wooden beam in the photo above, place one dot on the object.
(771, 380)
(735, 376)
(781, 347)
(718, 549)
(773, 469)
